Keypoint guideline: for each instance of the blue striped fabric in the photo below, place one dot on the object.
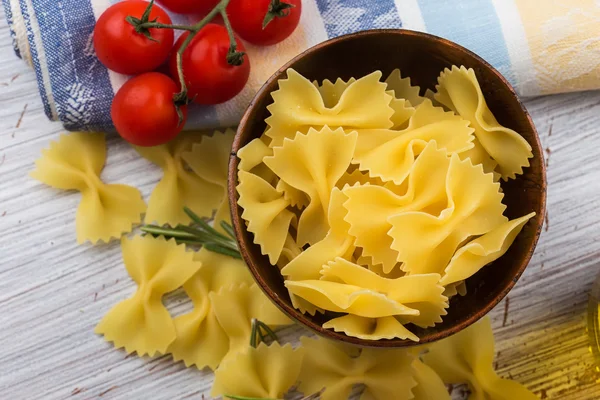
(346, 16)
(55, 36)
(472, 24)
(80, 85)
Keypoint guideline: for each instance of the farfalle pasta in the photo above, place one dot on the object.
(467, 357)
(417, 292)
(331, 92)
(403, 88)
(209, 158)
(429, 385)
(264, 372)
(200, 339)
(142, 323)
(389, 154)
(75, 162)
(385, 373)
(298, 106)
(426, 189)
(265, 210)
(319, 159)
(235, 307)
(375, 203)
(179, 186)
(479, 252)
(425, 243)
(337, 243)
(459, 90)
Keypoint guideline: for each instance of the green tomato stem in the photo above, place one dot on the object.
(159, 25)
(219, 8)
(234, 57)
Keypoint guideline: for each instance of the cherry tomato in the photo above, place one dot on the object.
(189, 6)
(143, 110)
(120, 48)
(210, 79)
(247, 17)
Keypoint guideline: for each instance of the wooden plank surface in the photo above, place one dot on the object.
(53, 291)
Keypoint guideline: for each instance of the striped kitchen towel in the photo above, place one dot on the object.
(541, 46)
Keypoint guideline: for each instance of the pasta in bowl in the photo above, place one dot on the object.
(387, 198)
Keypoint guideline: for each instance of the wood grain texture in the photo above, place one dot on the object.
(53, 292)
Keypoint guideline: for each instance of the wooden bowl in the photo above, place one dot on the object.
(421, 57)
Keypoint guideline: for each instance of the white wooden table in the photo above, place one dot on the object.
(53, 291)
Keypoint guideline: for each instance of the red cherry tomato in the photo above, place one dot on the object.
(189, 6)
(143, 111)
(120, 48)
(208, 76)
(247, 17)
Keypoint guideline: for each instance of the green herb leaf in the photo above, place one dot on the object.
(200, 233)
(278, 9)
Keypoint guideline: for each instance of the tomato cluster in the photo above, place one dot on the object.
(135, 37)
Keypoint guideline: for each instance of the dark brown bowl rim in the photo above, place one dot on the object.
(240, 228)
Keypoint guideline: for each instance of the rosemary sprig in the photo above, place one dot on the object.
(199, 233)
(257, 335)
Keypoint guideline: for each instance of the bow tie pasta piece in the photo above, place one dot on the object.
(252, 155)
(429, 385)
(261, 372)
(386, 374)
(467, 357)
(430, 95)
(178, 187)
(478, 155)
(75, 161)
(424, 114)
(357, 176)
(235, 308)
(251, 160)
(479, 252)
(265, 210)
(419, 292)
(426, 191)
(389, 155)
(337, 243)
(367, 262)
(408, 289)
(403, 89)
(142, 323)
(223, 214)
(200, 339)
(298, 105)
(459, 90)
(455, 288)
(332, 92)
(344, 298)
(313, 163)
(370, 328)
(425, 242)
(297, 198)
(209, 158)
(402, 111)
(290, 251)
